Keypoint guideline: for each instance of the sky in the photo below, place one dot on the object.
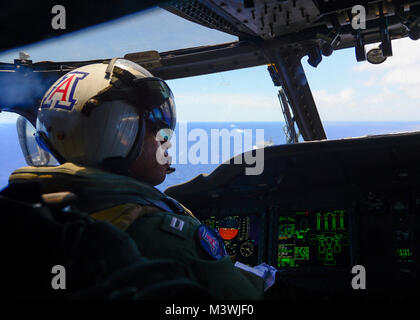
(344, 90)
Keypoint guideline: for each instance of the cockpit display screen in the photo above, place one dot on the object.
(240, 235)
(313, 239)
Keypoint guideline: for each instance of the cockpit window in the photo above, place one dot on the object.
(153, 29)
(11, 156)
(353, 99)
(360, 98)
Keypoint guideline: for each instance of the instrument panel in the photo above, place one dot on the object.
(321, 208)
(304, 240)
(308, 239)
(317, 248)
(241, 235)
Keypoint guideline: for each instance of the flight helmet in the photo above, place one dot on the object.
(96, 115)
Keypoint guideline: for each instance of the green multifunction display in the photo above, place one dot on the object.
(313, 239)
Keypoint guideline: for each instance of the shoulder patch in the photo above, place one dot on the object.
(175, 225)
(211, 242)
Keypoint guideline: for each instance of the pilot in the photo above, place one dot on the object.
(108, 125)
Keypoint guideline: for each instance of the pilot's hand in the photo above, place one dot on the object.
(263, 270)
(269, 274)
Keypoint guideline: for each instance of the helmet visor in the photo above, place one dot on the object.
(158, 101)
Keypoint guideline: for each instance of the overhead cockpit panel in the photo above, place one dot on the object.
(329, 21)
(266, 19)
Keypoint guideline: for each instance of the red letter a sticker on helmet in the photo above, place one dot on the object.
(66, 83)
(61, 95)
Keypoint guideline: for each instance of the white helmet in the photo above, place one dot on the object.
(96, 114)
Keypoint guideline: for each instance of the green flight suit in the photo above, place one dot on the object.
(123, 201)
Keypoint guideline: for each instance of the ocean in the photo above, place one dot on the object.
(199, 155)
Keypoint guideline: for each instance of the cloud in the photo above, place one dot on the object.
(231, 99)
(406, 76)
(414, 93)
(216, 106)
(323, 98)
(384, 104)
(371, 81)
(405, 55)
(400, 69)
(388, 91)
